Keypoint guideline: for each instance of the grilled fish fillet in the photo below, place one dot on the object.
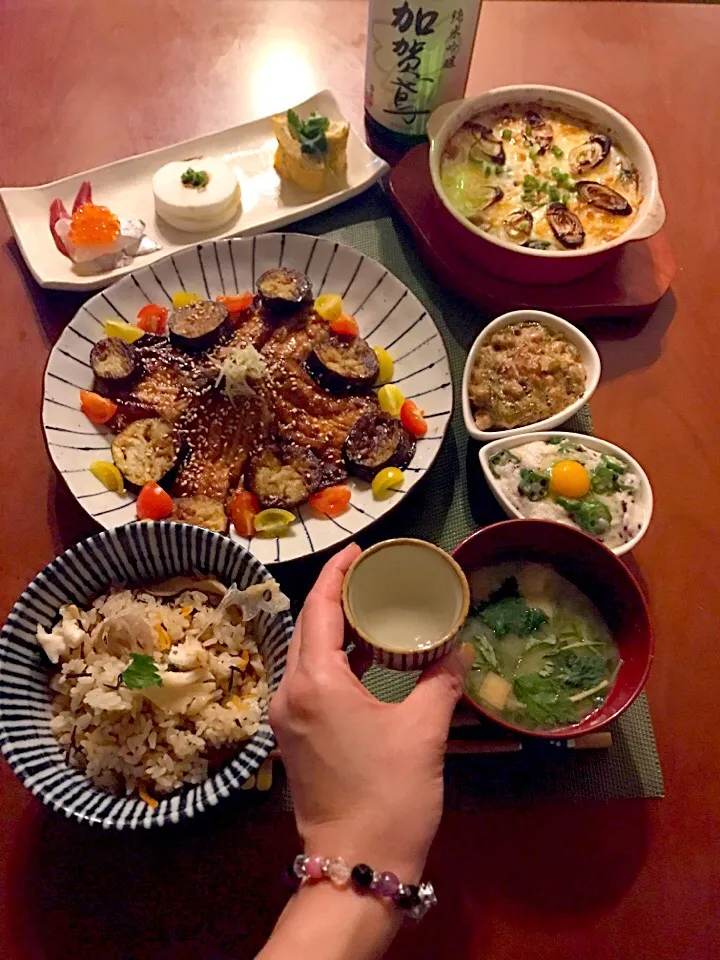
(219, 436)
(305, 413)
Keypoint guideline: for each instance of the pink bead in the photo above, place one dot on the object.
(314, 867)
(387, 885)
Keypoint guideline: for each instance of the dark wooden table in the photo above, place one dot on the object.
(84, 83)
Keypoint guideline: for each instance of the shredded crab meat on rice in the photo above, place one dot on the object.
(203, 683)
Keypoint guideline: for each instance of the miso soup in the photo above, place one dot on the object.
(545, 658)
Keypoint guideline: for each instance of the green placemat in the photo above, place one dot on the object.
(452, 503)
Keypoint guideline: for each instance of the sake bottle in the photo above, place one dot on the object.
(418, 57)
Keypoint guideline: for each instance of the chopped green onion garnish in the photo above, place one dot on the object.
(195, 178)
(557, 151)
(506, 134)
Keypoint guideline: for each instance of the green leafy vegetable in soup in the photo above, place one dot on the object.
(544, 656)
(512, 615)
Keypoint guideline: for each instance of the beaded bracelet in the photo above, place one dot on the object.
(414, 900)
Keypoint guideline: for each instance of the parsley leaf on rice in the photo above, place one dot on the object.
(141, 673)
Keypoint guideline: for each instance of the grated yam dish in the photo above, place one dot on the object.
(152, 681)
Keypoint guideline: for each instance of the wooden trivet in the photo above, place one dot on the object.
(629, 287)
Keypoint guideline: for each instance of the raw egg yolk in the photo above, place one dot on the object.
(569, 478)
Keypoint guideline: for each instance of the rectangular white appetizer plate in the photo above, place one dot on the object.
(126, 188)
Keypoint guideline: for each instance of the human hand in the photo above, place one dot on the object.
(366, 776)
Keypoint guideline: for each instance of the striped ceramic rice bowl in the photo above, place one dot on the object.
(132, 555)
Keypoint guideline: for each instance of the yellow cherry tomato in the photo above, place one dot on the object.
(387, 367)
(391, 399)
(273, 522)
(264, 776)
(386, 481)
(569, 478)
(125, 331)
(329, 306)
(183, 299)
(108, 475)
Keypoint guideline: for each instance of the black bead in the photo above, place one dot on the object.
(362, 875)
(290, 878)
(409, 898)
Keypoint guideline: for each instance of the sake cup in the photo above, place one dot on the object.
(405, 601)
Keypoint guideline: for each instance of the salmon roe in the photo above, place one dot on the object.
(92, 226)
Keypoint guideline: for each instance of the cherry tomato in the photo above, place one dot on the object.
(96, 408)
(345, 325)
(386, 482)
(328, 306)
(412, 419)
(236, 304)
(391, 399)
(385, 364)
(332, 501)
(184, 298)
(152, 318)
(124, 331)
(244, 507)
(153, 503)
(274, 522)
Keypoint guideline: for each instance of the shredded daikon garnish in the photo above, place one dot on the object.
(240, 365)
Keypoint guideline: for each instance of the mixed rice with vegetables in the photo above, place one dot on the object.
(152, 681)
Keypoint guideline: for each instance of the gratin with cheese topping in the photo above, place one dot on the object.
(540, 179)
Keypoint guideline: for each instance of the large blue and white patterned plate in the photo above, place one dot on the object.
(388, 314)
(135, 553)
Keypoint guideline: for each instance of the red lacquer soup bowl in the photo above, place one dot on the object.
(601, 576)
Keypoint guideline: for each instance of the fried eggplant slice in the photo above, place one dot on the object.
(282, 290)
(538, 131)
(201, 511)
(114, 361)
(284, 475)
(334, 472)
(377, 441)
(199, 326)
(566, 226)
(486, 145)
(603, 197)
(589, 154)
(343, 364)
(145, 450)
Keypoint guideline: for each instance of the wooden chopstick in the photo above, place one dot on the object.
(484, 745)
